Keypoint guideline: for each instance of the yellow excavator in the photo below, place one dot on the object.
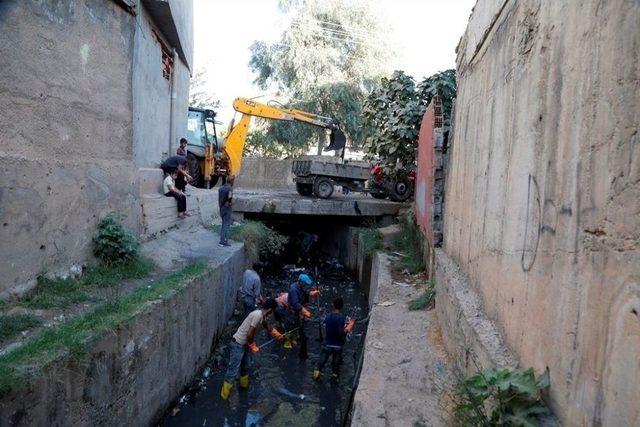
(210, 159)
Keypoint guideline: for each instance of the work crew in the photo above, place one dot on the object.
(335, 335)
(297, 297)
(242, 342)
(225, 201)
(250, 290)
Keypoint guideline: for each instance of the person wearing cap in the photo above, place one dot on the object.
(299, 294)
(242, 342)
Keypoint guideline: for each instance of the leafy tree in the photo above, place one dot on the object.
(199, 96)
(326, 62)
(393, 113)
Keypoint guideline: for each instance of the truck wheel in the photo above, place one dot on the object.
(323, 187)
(401, 190)
(304, 189)
(193, 166)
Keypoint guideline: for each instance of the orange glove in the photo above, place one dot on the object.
(349, 327)
(314, 293)
(305, 313)
(276, 334)
(254, 347)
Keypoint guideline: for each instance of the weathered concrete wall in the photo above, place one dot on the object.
(159, 104)
(134, 372)
(543, 193)
(258, 172)
(65, 131)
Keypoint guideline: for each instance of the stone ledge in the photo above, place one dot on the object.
(469, 336)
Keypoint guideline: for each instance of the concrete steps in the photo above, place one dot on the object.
(160, 213)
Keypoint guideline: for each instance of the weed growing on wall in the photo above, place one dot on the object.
(371, 241)
(424, 300)
(113, 243)
(408, 243)
(501, 397)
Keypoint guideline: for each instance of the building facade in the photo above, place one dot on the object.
(90, 91)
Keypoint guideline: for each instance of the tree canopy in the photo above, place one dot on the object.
(326, 62)
(199, 96)
(393, 114)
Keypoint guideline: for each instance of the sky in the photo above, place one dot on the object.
(423, 33)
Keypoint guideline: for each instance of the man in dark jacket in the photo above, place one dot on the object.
(225, 201)
(297, 298)
(336, 330)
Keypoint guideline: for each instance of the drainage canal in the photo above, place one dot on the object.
(282, 391)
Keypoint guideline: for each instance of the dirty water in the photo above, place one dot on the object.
(281, 391)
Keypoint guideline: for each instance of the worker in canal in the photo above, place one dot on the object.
(250, 294)
(336, 330)
(299, 295)
(306, 243)
(243, 342)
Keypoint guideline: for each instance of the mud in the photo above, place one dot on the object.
(281, 390)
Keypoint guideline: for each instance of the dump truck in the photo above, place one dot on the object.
(318, 176)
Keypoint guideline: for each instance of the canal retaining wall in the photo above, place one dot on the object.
(133, 373)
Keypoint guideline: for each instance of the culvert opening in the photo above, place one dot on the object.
(282, 390)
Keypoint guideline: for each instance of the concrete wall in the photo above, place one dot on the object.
(258, 172)
(65, 131)
(83, 97)
(133, 373)
(159, 104)
(543, 193)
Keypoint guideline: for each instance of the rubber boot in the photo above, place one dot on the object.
(287, 342)
(226, 390)
(244, 381)
(316, 374)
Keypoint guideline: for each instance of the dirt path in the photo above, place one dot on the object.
(405, 369)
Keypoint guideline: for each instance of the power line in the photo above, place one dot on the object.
(339, 27)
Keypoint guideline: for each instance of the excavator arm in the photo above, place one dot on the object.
(234, 144)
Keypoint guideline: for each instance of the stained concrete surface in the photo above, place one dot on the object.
(543, 193)
(405, 373)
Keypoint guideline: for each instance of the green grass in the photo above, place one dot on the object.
(259, 240)
(12, 325)
(408, 243)
(424, 300)
(61, 293)
(371, 241)
(71, 339)
(55, 292)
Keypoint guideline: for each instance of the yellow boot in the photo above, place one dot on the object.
(287, 342)
(316, 374)
(244, 381)
(226, 390)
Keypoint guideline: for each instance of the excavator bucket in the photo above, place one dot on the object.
(337, 140)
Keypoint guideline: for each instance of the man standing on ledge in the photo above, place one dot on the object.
(225, 200)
